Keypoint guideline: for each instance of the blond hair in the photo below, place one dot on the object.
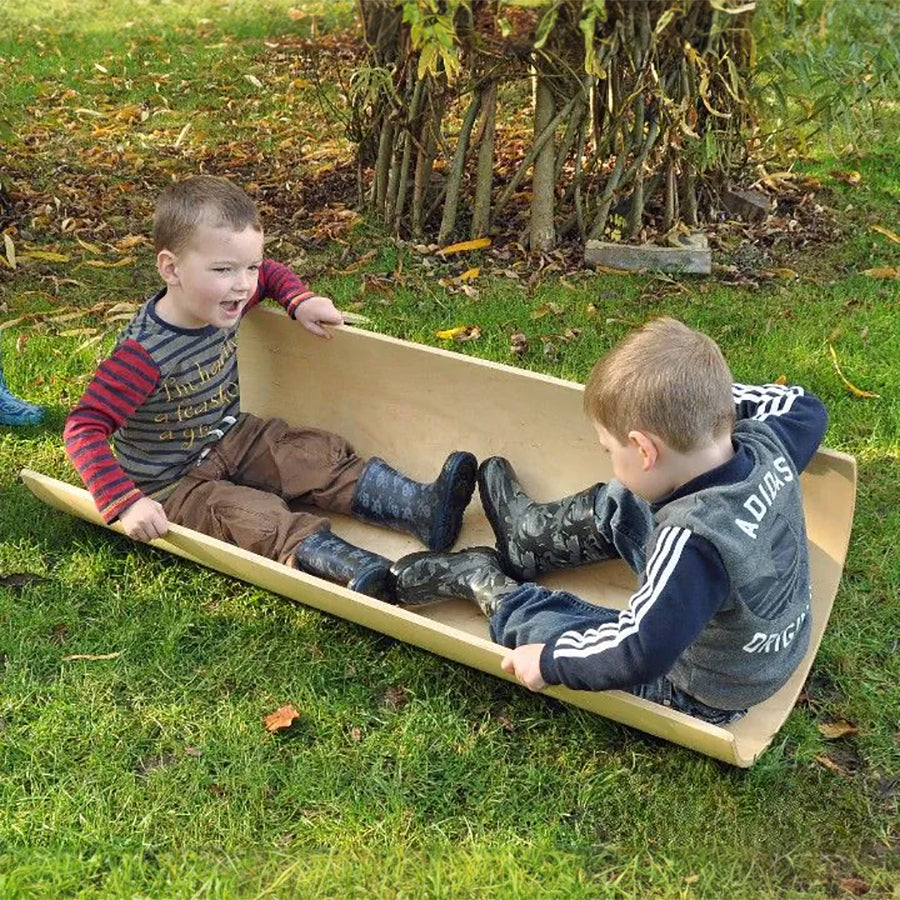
(664, 378)
(202, 200)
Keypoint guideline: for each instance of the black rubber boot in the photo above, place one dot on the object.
(539, 537)
(432, 512)
(330, 557)
(474, 574)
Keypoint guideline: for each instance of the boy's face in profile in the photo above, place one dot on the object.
(211, 280)
(633, 463)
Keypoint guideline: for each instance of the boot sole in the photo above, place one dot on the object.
(458, 484)
(375, 581)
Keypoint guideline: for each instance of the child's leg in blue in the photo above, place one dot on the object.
(533, 615)
(14, 410)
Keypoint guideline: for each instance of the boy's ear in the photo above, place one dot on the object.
(648, 447)
(167, 266)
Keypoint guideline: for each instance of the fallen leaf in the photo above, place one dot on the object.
(460, 333)
(91, 248)
(282, 718)
(691, 879)
(470, 274)
(886, 232)
(103, 264)
(851, 177)
(10, 250)
(856, 886)
(183, 134)
(91, 657)
(831, 731)
(780, 273)
(546, 309)
(254, 80)
(831, 765)
(463, 246)
(518, 343)
(396, 697)
(857, 392)
(781, 379)
(46, 255)
(352, 318)
(882, 272)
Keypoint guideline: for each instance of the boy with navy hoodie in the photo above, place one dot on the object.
(705, 506)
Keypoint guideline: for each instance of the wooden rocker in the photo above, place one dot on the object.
(413, 404)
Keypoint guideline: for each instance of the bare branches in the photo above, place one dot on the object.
(649, 99)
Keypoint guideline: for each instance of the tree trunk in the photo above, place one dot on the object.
(481, 217)
(542, 232)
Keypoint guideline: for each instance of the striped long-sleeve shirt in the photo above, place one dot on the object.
(723, 604)
(163, 396)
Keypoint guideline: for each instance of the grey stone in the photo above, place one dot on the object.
(691, 257)
(753, 206)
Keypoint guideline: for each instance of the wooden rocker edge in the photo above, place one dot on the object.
(735, 745)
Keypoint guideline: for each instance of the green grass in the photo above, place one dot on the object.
(150, 774)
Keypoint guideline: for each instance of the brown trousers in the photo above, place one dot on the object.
(240, 492)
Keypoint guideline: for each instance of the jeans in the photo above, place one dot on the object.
(532, 614)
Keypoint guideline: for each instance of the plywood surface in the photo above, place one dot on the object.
(413, 405)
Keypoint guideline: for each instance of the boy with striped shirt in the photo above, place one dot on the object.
(705, 506)
(168, 401)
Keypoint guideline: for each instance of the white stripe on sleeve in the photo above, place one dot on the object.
(576, 645)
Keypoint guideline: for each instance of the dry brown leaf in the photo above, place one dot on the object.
(831, 731)
(518, 343)
(831, 765)
(470, 274)
(789, 274)
(882, 272)
(130, 241)
(781, 379)
(282, 718)
(463, 246)
(856, 886)
(848, 176)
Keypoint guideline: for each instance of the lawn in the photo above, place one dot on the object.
(145, 770)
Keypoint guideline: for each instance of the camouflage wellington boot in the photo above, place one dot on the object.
(330, 557)
(474, 574)
(432, 512)
(539, 537)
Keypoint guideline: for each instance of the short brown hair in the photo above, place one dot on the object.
(202, 200)
(664, 378)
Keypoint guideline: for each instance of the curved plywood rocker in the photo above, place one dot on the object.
(412, 405)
